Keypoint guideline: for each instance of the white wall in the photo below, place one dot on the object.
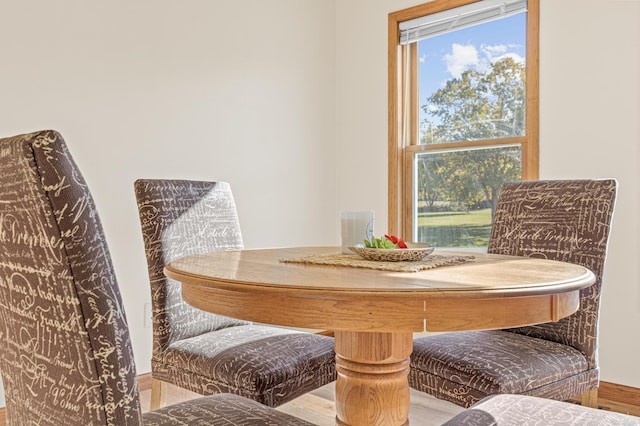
(242, 91)
(589, 122)
(589, 128)
(297, 121)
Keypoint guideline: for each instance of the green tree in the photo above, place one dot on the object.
(476, 106)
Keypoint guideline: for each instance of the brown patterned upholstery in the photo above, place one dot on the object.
(203, 352)
(561, 220)
(531, 411)
(65, 351)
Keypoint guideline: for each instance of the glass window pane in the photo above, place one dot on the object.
(456, 191)
(472, 82)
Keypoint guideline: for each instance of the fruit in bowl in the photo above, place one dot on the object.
(391, 249)
(387, 242)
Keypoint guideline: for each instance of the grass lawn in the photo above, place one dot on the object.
(455, 229)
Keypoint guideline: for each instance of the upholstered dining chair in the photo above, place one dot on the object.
(65, 350)
(203, 352)
(522, 410)
(565, 220)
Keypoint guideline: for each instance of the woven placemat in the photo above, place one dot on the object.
(354, 261)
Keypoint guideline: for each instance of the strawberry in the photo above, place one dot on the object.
(395, 240)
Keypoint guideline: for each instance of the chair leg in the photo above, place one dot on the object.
(590, 398)
(158, 394)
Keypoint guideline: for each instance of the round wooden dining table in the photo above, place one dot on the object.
(374, 313)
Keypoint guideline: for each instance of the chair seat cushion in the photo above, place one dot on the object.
(268, 364)
(496, 361)
(532, 411)
(220, 409)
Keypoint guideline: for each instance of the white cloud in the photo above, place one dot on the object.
(422, 58)
(516, 58)
(461, 58)
(497, 52)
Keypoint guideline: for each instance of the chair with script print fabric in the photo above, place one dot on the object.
(65, 351)
(565, 220)
(203, 352)
(521, 410)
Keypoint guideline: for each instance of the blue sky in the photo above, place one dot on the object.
(446, 56)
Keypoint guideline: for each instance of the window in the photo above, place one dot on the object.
(463, 115)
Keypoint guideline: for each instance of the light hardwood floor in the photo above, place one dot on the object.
(317, 407)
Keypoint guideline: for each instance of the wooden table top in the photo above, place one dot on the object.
(485, 293)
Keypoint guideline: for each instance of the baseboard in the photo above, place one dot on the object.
(610, 391)
(144, 382)
(619, 393)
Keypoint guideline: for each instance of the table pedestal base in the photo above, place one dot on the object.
(372, 386)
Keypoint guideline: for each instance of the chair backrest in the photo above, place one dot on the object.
(65, 352)
(565, 220)
(182, 218)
